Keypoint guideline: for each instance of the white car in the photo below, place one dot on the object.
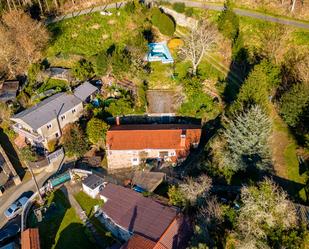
(15, 207)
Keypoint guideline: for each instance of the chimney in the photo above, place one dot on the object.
(117, 120)
(183, 139)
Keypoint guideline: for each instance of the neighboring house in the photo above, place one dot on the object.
(8, 90)
(44, 122)
(92, 185)
(142, 222)
(131, 145)
(30, 239)
(86, 91)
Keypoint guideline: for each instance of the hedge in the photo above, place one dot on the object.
(179, 7)
(163, 22)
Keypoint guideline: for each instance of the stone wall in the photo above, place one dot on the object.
(180, 19)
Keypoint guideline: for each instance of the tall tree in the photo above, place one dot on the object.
(96, 131)
(265, 208)
(246, 139)
(199, 41)
(24, 41)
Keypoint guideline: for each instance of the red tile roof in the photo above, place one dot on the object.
(138, 242)
(30, 239)
(153, 136)
(135, 213)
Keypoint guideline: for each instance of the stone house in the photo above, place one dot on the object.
(142, 222)
(44, 122)
(131, 145)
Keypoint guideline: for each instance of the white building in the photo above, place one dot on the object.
(92, 185)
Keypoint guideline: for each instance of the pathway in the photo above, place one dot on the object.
(202, 5)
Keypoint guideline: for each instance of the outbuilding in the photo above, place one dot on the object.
(92, 185)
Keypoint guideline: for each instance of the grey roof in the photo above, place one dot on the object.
(93, 181)
(44, 112)
(84, 90)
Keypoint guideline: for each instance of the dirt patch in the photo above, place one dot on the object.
(279, 141)
(112, 22)
(96, 26)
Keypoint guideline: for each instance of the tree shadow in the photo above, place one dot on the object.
(74, 237)
(11, 153)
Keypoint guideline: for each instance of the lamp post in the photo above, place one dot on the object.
(36, 184)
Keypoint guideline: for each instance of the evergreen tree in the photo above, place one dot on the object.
(247, 141)
(258, 87)
(228, 22)
(294, 103)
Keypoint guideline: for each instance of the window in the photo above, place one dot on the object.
(135, 161)
(62, 117)
(57, 134)
(172, 153)
(73, 111)
(49, 126)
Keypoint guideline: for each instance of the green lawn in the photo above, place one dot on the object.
(87, 203)
(59, 85)
(89, 34)
(61, 227)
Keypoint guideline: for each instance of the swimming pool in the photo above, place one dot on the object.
(159, 52)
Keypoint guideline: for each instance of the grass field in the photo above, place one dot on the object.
(61, 227)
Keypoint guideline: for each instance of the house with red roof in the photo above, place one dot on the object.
(141, 222)
(130, 145)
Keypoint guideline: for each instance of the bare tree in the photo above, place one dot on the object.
(193, 188)
(264, 207)
(22, 43)
(199, 41)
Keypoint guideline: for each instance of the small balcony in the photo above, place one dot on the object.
(30, 135)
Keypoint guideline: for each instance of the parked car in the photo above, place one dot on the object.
(15, 207)
(9, 233)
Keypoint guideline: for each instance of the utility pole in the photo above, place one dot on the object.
(35, 183)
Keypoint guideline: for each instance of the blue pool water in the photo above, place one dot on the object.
(159, 52)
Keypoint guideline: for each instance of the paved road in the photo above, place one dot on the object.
(14, 193)
(240, 12)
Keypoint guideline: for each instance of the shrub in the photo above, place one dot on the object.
(179, 7)
(83, 70)
(130, 7)
(96, 130)
(74, 141)
(51, 145)
(163, 22)
(102, 62)
(189, 12)
(176, 197)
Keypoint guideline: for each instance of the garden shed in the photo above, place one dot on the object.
(92, 185)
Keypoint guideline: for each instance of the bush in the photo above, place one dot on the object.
(163, 22)
(51, 145)
(130, 7)
(83, 70)
(96, 130)
(189, 12)
(102, 62)
(176, 197)
(179, 7)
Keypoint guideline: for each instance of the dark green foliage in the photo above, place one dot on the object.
(176, 197)
(198, 104)
(96, 130)
(258, 87)
(74, 141)
(246, 139)
(163, 22)
(179, 7)
(189, 12)
(121, 106)
(28, 155)
(83, 70)
(102, 62)
(120, 60)
(294, 104)
(142, 97)
(32, 75)
(228, 22)
(130, 7)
